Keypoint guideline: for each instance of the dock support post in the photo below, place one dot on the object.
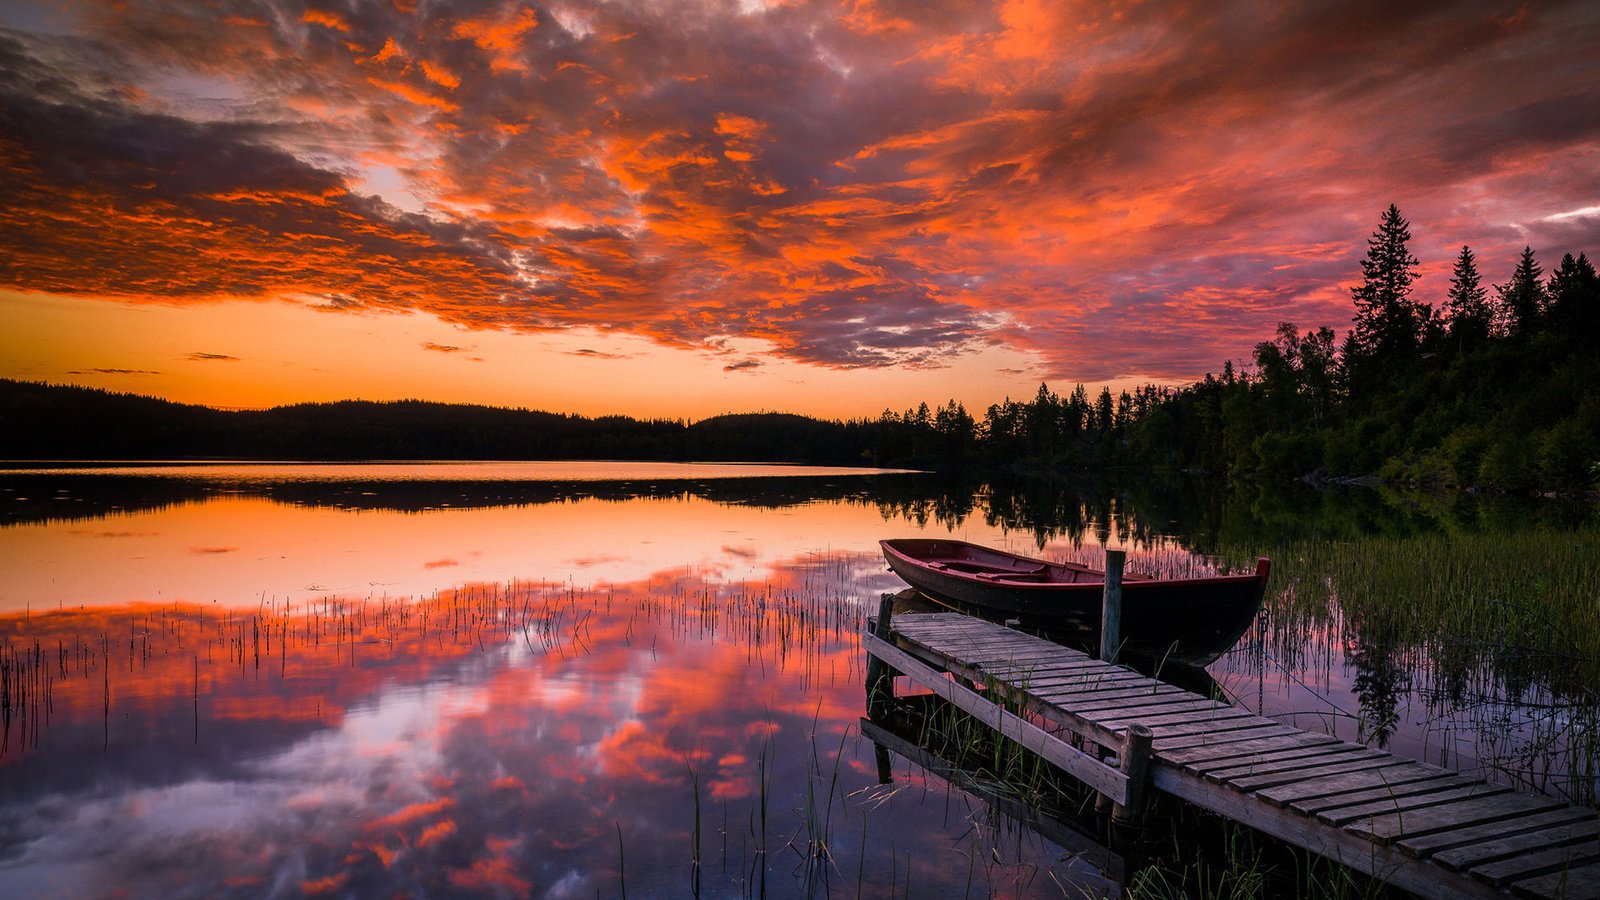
(1111, 606)
(1134, 758)
(880, 676)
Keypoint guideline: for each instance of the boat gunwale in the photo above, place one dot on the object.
(892, 549)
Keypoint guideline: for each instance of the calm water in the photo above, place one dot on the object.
(567, 680)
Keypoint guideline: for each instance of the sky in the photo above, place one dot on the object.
(679, 209)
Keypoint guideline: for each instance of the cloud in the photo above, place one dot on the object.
(441, 348)
(742, 365)
(107, 371)
(598, 354)
(1145, 190)
(211, 357)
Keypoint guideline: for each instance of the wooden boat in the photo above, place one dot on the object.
(1187, 620)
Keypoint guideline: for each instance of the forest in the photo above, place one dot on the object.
(1493, 389)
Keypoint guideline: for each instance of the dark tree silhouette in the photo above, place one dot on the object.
(1469, 317)
(1574, 295)
(1522, 298)
(1389, 324)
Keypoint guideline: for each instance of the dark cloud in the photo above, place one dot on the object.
(211, 357)
(441, 348)
(108, 371)
(1143, 189)
(742, 365)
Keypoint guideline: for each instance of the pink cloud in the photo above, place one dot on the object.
(1143, 191)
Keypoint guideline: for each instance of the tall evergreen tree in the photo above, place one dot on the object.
(1389, 323)
(1522, 298)
(1574, 294)
(1469, 317)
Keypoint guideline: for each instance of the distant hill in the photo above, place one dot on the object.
(44, 421)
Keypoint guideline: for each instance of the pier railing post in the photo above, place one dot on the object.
(1134, 758)
(1111, 606)
(880, 676)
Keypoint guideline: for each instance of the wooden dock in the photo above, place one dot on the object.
(1419, 827)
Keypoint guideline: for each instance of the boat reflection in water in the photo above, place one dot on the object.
(1184, 620)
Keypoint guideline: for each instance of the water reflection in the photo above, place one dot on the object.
(390, 685)
(486, 738)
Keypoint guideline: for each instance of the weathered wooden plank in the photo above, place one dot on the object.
(1221, 713)
(1117, 693)
(1078, 682)
(1483, 852)
(1428, 844)
(1218, 729)
(1442, 782)
(1009, 657)
(1146, 703)
(1312, 762)
(1081, 766)
(1213, 752)
(1249, 783)
(1392, 826)
(1401, 804)
(1386, 863)
(1220, 739)
(1034, 666)
(1320, 748)
(1542, 862)
(1282, 795)
(973, 633)
(999, 651)
(1577, 883)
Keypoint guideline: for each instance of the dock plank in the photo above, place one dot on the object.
(1387, 828)
(1577, 883)
(1313, 761)
(1219, 730)
(1255, 782)
(1112, 693)
(1213, 752)
(1441, 782)
(1344, 815)
(1218, 739)
(1148, 703)
(1218, 713)
(1542, 862)
(1430, 844)
(1283, 795)
(1478, 854)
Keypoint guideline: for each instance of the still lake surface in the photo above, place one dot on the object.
(590, 679)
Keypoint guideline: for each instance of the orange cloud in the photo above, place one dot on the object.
(1122, 190)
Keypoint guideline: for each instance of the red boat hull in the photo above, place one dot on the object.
(1189, 620)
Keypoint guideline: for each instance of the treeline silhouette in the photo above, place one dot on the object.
(1491, 389)
(66, 422)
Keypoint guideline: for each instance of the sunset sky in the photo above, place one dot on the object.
(685, 208)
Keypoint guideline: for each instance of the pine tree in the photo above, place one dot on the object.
(1574, 295)
(1522, 298)
(1389, 324)
(1468, 314)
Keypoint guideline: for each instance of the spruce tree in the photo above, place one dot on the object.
(1389, 324)
(1522, 298)
(1574, 293)
(1468, 314)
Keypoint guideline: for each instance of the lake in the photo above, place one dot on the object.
(597, 679)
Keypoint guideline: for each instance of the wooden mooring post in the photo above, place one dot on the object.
(1111, 606)
(880, 675)
(1134, 761)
